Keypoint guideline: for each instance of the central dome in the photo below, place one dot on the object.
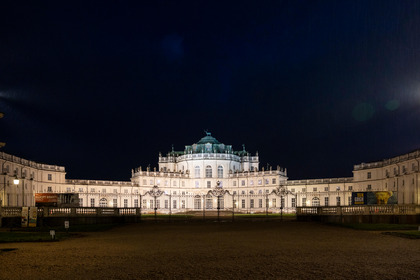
(208, 139)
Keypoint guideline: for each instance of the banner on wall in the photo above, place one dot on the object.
(374, 198)
(33, 214)
(24, 217)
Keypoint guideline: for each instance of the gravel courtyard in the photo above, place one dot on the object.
(242, 250)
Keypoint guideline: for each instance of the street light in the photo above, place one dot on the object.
(155, 192)
(282, 191)
(218, 191)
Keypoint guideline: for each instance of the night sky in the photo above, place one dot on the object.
(101, 87)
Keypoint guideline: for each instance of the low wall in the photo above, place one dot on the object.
(354, 219)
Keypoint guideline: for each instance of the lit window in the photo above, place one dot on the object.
(197, 172)
(220, 172)
(209, 172)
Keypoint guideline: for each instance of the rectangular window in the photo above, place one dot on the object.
(349, 200)
(273, 181)
(326, 201)
(274, 203)
(209, 203)
(49, 189)
(243, 203)
(292, 190)
(350, 188)
(208, 184)
(251, 203)
(174, 183)
(197, 203)
(151, 182)
(166, 183)
(234, 203)
(338, 201)
(315, 189)
(234, 183)
(369, 187)
(92, 190)
(158, 203)
(92, 202)
(260, 182)
(304, 190)
(144, 182)
(174, 204)
(125, 203)
(166, 204)
(260, 203)
(293, 202)
(326, 189)
(151, 204)
(80, 189)
(144, 204)
(49, 177)
(251, 182)
(103, 190)
(136, 203)
(125, 191)
(266, 181)
(303, 201)
(68, 190)
(243, 182)
(183, 204)
(115, 191)
(282, 202)
(197, 184)
(115, 203)
(369, 175)
(81, 202)
(183, 183)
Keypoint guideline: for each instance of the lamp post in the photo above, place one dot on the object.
(266, 204)
(218, 191)
(233, 206)
(16, 183)
(4, 183)
(155, 192)
(281, 191)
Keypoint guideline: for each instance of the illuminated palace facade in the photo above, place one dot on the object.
(188, 181)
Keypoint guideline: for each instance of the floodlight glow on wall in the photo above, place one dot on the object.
(16, 181)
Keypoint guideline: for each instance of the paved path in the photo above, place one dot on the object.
(243, 250)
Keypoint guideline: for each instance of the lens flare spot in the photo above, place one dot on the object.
(392, 105)
(363, 112)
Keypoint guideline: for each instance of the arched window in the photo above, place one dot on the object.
(103, 202)
(315, 202)
(209, 172)
(197, 172)
(220, 171)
